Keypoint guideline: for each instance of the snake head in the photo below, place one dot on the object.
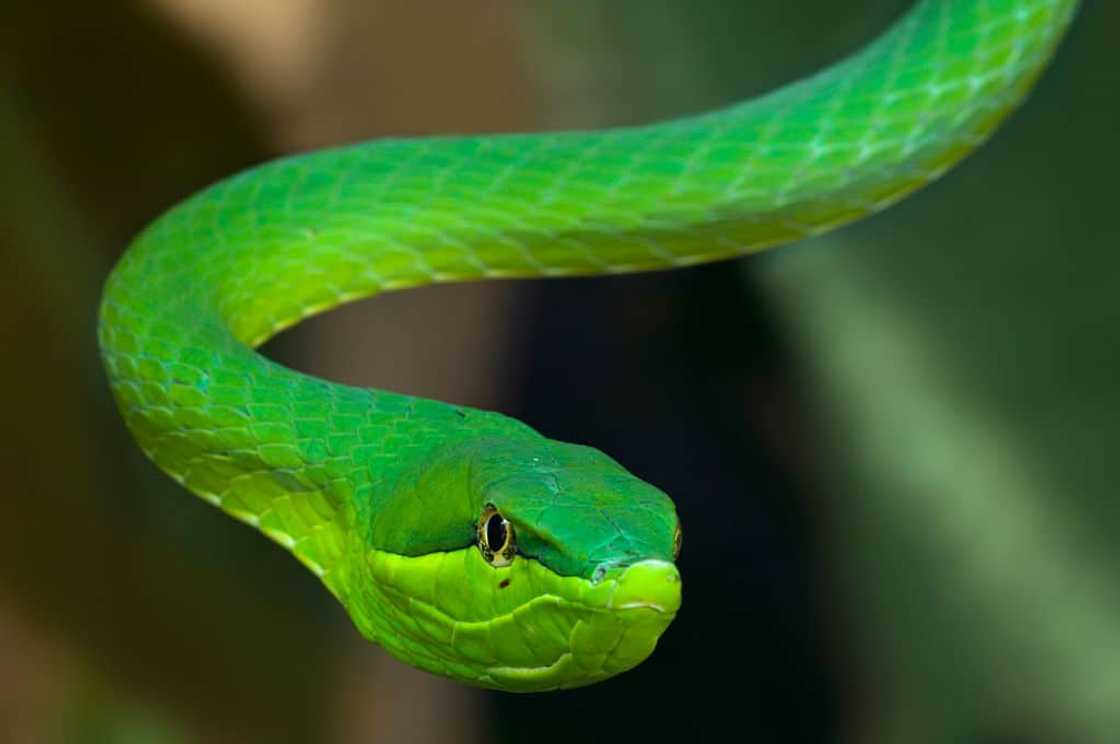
(535, 565)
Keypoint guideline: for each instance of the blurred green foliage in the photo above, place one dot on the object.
(959, 351)
(963, 350)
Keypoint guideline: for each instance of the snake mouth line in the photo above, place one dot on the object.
(496, 672)
(540, 599)
(642, 606)
(583, 633)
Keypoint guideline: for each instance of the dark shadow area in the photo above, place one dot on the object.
(681, 377)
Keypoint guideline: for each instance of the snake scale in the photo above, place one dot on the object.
(463, 541)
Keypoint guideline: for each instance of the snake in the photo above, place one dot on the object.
(463, 541)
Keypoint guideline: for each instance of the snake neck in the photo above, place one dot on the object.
(307, 462)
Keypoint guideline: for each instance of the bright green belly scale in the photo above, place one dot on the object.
(380, 494)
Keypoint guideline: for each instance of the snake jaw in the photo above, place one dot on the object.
(535, 630)
(622, 618)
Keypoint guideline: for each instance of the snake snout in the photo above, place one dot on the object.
(650, 584)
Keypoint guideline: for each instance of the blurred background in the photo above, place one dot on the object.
(893, 448)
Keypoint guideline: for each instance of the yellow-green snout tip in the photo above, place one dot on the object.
(653, 585)
(520, 627)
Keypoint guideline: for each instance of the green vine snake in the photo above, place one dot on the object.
(462, 541)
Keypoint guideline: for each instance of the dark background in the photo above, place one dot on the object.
(893, 448)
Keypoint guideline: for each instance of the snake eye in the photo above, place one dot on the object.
(678, 538)
(495, 538)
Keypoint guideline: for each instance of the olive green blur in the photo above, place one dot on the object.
(1001, 273)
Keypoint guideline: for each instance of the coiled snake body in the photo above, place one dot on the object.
(461, 540)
